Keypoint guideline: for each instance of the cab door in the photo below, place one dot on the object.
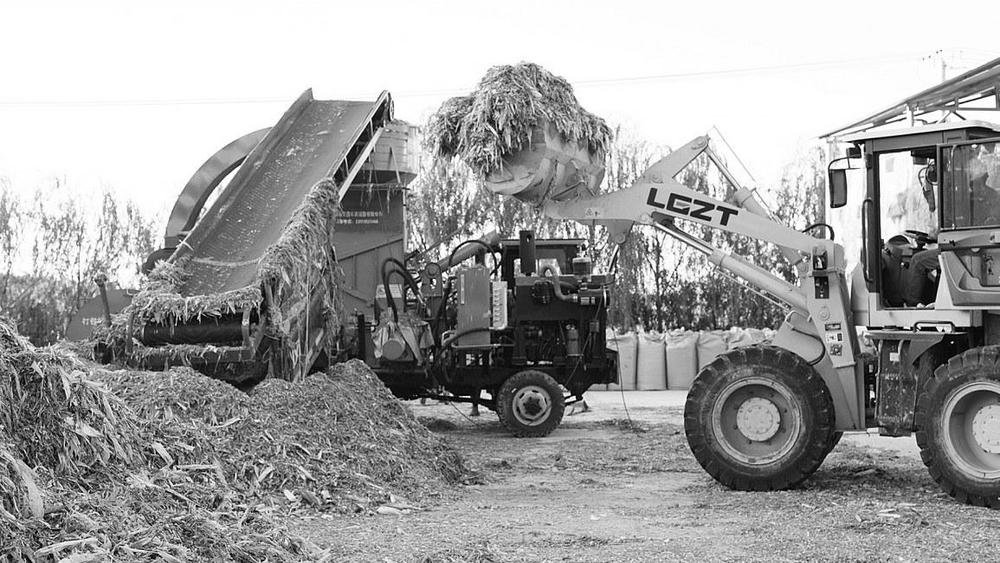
(899, 219)
(969, 182)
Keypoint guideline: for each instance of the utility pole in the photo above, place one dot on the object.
(942, 61)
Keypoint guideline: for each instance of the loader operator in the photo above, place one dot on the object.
(909, 280)
(910, 270)
(920, 282)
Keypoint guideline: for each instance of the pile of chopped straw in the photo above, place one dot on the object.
(178, 394)
(338, 437)
(98, 464)
(53, 415)
(499, 116)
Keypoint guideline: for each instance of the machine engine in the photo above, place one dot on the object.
(491, 309)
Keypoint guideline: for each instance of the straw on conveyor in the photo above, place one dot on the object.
(300, 260)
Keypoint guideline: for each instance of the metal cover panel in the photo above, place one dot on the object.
(370, 228)
(474, 292)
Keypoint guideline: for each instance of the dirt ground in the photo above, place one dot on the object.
(596, 490)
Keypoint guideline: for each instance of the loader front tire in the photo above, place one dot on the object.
(531, 404)
(759, 419)
(834, 440)
(958, 426)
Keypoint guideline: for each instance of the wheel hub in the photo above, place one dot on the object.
(532, 405)
(970, 428)
(986, 428)
(758, 419)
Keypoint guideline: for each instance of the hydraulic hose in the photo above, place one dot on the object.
(486, 247)
(408, 282)
(402, 268)
(826, 226)
(439, 315)
(557, 286)
(447, 342)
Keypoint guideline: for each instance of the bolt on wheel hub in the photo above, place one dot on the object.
(758, 419)
(986, 428)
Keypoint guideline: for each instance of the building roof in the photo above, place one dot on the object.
(949, 96)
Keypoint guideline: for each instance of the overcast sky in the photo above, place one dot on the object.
(136, 95)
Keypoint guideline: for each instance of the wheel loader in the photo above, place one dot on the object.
(907, 342)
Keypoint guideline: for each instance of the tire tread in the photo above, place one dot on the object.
(506, 395)
(815, 450)
(960, 366)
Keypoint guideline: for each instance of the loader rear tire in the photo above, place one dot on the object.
(530, 404)
(958, 426)
(759, 419)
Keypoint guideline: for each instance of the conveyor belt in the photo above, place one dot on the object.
(313, 140)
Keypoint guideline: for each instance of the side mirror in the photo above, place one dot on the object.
(837, 178)
(838, 187)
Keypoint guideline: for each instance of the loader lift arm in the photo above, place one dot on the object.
(820, 306)
(656, 198)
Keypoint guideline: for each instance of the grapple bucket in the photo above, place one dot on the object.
(550, 168)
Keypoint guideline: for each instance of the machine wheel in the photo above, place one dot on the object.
(530, 404)
(834, 440)
(759, 419)
(958, 422)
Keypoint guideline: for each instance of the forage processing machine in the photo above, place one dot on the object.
(243, 326)
(521, 320)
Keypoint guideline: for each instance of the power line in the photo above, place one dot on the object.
(753, 70)
(707, 73)
(764, 69)
(141, 102)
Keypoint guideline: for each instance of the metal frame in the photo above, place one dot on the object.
(948, 97)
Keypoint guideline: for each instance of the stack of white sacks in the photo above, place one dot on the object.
(651, 361)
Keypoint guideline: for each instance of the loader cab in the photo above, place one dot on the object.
(921, 195)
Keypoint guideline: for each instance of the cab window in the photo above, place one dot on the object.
(970, 186)
(908, 200)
